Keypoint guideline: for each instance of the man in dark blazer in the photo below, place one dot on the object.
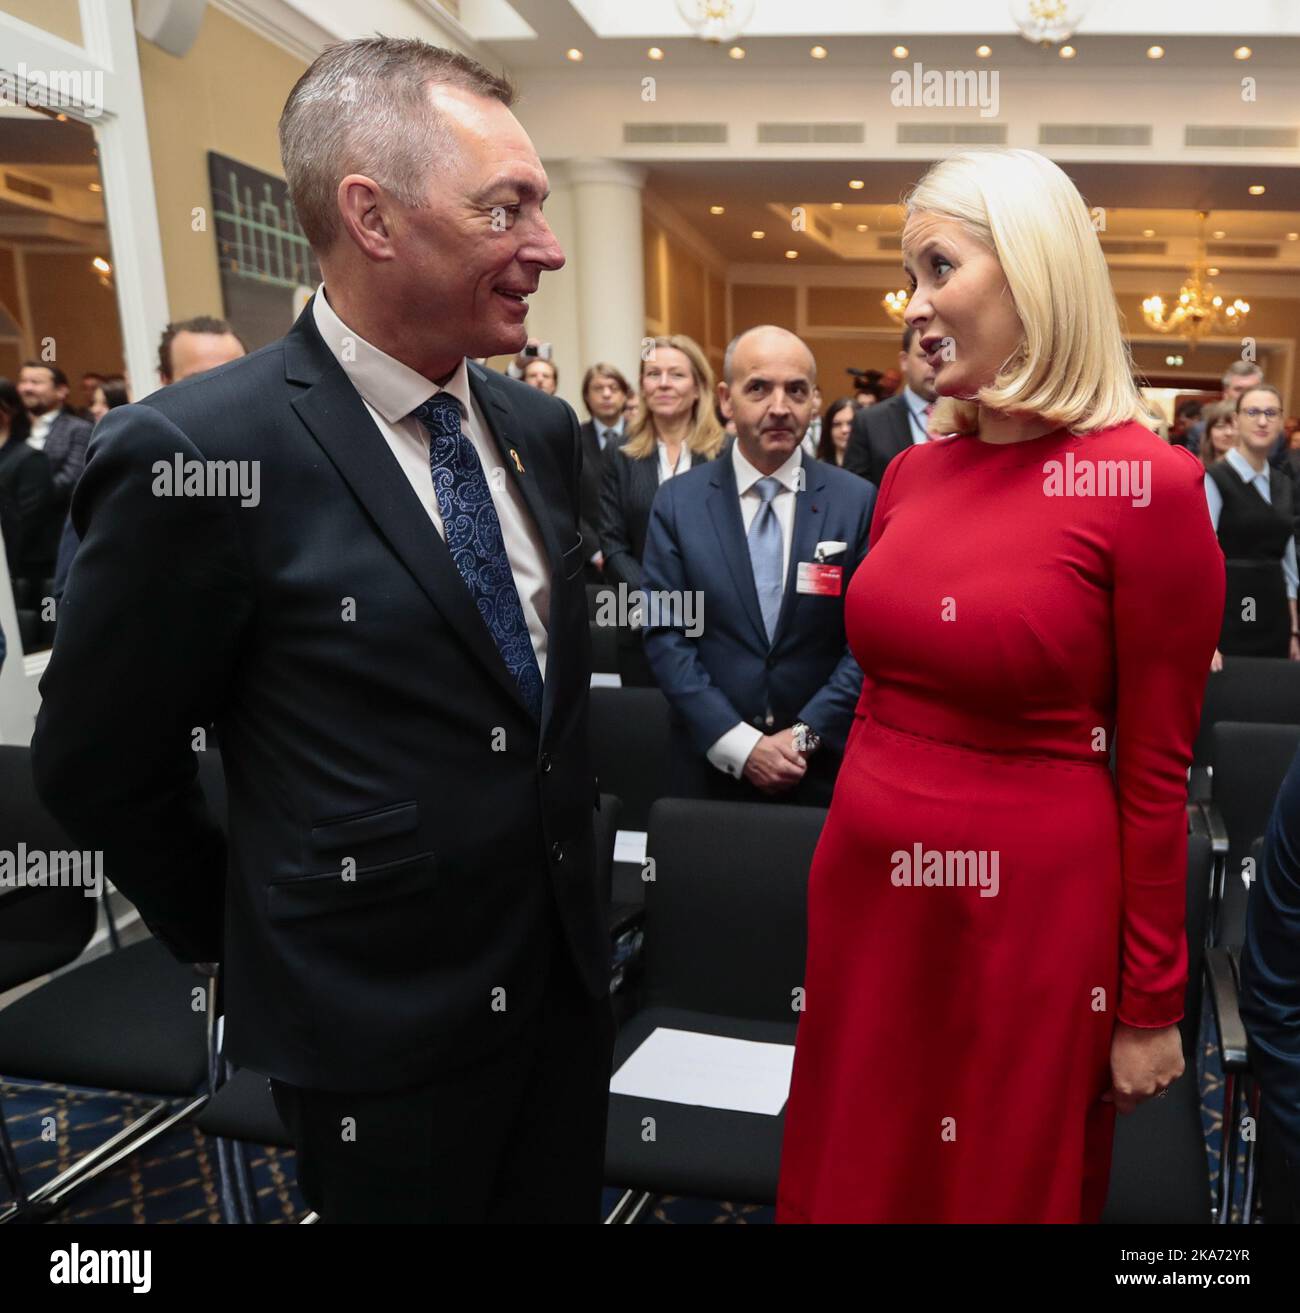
(57, 431)
(604, 393)
(386, 623)
(881, 431)
(747, 561)
(1270, 1002)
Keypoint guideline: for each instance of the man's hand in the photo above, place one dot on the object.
(775, 765)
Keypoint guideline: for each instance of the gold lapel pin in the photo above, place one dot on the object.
(514, 456)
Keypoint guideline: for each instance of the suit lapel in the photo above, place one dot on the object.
(904, 427)
(724, 510)
(337, 418)
(809, 516)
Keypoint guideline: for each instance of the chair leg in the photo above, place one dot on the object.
(1252, 1145)
(244, 1189)
(631, 1204)
(1228, 1148)
(225, 1177)
(9, 1163)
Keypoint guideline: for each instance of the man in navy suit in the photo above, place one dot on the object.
(387, 624)
(747, 562)
(1270, 1001)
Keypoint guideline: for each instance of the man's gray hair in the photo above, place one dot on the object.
(362, 107)
(1241, 369)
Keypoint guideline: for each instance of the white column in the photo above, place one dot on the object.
(606, 198)
(553, 308)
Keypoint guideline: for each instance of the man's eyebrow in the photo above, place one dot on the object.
(521, 185)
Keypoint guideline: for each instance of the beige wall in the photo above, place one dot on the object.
(61, 17)
(225, 95)
(682, 293)
(70, 305)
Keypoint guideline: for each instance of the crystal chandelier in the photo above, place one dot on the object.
(1199, 309)
(1047, 22)
(895, 304)
(716, 20)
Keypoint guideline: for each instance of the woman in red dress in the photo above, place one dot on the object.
(996, 950)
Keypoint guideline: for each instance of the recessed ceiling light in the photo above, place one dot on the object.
(792, 255)
(856, 184)
(1067, 52)
(1257, 190)
(737, 52)
(1218, 234)
(862, 227)
(837, 205)
(102, 265)
(983, 51)
(758, 234)
(1148, 232)
(574, 54)
(1293, 237)
(62, 118)
(1155, 52)
(900, 52)
(818, 52)
(717, 209)
(93, 186)
(655, 53)
(1242, 52)
(1213, 271)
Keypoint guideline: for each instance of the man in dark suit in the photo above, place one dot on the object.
(1270, 1002)
(604, 393)
(387, 626)
(881, 431)
(56, 430)
(747, 561)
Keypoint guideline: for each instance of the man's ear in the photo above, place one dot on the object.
(724, 399)
(362, 207)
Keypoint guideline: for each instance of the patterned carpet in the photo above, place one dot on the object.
(175, 1178)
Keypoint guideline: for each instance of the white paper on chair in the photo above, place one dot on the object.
(709, 1071)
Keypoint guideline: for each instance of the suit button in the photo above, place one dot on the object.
(771, 720)
(557, 852)
(546, 762)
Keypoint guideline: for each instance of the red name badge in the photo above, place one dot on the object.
(820, 580)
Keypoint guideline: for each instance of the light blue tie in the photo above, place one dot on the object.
(765, 555)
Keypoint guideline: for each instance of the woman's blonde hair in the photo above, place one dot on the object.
(706, 435)
(1072, 365)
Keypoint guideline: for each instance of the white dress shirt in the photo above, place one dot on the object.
(1259, 479)
(391, 391)
(40, 429)
(667, 471)
(732, 750)
(605, 434)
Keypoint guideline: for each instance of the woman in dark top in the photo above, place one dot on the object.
(837, 424)
(1252, 509)
(674, 429)
(27, 516)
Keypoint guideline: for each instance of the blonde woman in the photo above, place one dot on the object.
(673, 429)
(996, 951)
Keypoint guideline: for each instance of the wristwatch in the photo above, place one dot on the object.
(806, 739)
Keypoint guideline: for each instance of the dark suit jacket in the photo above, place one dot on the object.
(27, 518)
(593, 462)
(627, 491)
(396, 740)
(879, 433)
(65, 449)
(729, 672)
(1270, 988)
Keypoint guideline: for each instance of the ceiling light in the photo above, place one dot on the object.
(93, 186)
(737, 52)
(900, 52)
(1155, 52)
(1067, 52)
(856, 184)
(655, 53)
(862, 227)
(1242, 52)
(1218, 234)
(792, 255)
(983, 51)
(1293, 237)
(758, 234)
(1148, 232)
(818, 52)
(837, 205)
(717, 209)
(102, 265)
(1257, 190)
(574, 54)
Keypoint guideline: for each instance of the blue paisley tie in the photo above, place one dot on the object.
(473, 532)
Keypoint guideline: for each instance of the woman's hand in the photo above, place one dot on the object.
(1216, 661)
(1143, 1064)
(1295, 648)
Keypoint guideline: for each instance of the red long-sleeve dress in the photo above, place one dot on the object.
(986, 899)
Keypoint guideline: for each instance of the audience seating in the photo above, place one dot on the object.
(724, 952)
(1255, 690)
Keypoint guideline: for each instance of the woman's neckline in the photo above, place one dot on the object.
(1021, 445)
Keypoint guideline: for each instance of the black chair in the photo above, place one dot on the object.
(629, 745)
(604, 649)
(41, 929)
(135, 1020)
(725, 943)
(1159, 1167)
(1249, 762)
(1250, 690)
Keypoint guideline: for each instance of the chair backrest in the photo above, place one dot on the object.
(60, 919)
(629, 746)
(1200, 860)
(607, 820)
(1249, 690)
(726, 916)
(1250, 762)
